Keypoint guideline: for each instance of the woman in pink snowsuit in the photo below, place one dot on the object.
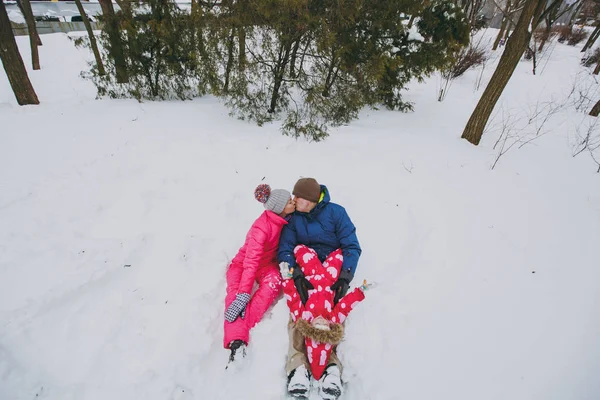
(256, 261)
(319, 320)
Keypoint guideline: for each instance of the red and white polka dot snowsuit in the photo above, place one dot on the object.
(320, 301)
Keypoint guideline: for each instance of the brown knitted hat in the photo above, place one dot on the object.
(307, 188)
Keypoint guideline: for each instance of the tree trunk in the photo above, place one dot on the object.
(510, 23)
(575, 14)
(506, 34)
(25, 6)
(13, 63)
(200, 32)
(242, 50)
(88, 28)
(198, 22)
(546, 36)
(597, 69)
(279, 71)
(126, 18)
(502, 26)
(293, 59)
(332, 73)
(194, 18)
(596, 109)
(466, 8)
(537, 17)
(111, 25)
(500, 34)
(508, 62)
(592, 39)
(229, 66)
(304, 50)
(25, 12)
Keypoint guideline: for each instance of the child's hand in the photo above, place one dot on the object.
(284, 269)
(366, 286)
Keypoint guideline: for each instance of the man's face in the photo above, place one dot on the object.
(303, 205)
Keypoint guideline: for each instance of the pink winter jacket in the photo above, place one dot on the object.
(260, 248)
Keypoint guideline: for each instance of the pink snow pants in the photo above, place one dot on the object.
(269, 286)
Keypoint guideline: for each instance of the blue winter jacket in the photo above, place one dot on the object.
(325, 228)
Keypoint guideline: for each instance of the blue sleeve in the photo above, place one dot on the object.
(287, 243)
(346, 233)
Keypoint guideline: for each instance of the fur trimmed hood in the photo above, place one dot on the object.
(334, 335)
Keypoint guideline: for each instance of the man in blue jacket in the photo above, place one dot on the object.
(324, 227)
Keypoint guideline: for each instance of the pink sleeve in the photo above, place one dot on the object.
(347, 303)
(255, 245)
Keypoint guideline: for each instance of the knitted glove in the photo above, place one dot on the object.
(302, 284)
(284, 269)
(340, 287)
(237, 307)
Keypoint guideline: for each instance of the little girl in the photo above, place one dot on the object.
(256, 261)
(320, 320)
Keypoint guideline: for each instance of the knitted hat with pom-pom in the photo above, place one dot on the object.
(274, 200)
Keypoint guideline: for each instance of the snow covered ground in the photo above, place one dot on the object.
(118, 219)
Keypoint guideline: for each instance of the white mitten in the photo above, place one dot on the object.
(284, 269)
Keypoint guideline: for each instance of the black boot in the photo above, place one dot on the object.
(238, 350)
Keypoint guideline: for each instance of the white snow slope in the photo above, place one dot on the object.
(488, 280)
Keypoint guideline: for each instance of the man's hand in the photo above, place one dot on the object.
(302, 284)
(340, 287)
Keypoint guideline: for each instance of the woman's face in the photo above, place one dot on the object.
(303, 205)
(290, 207)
